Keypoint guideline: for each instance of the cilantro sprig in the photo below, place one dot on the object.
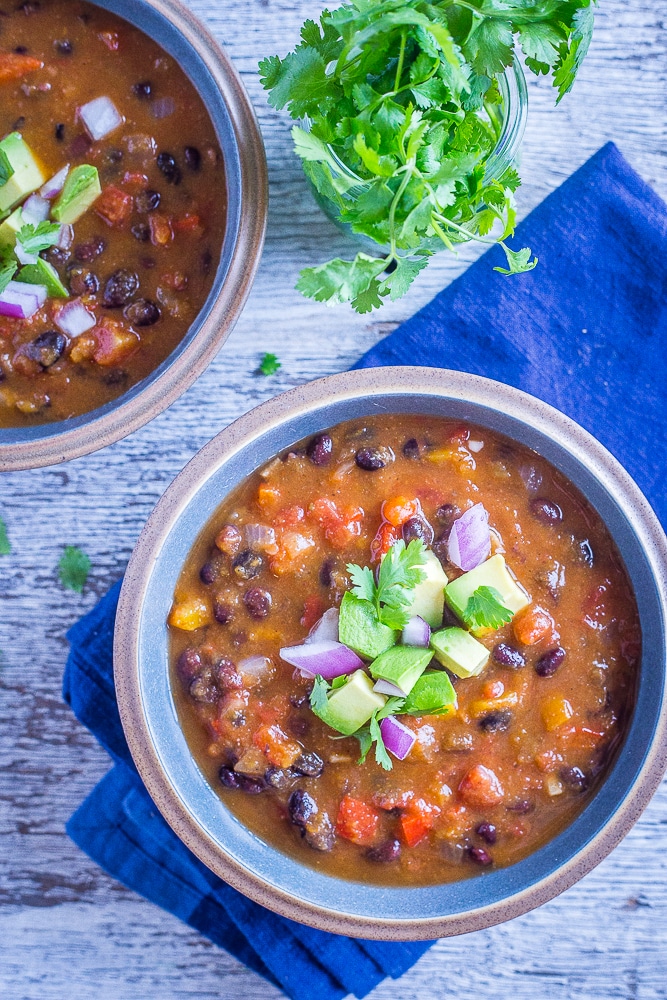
(5, 544)
(35, 239)
(8, 269)
(403, 111)
(269, 365)
(6, 169)
(399, 573)
(73, 568)
(486, 610)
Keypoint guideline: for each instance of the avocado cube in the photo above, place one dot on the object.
(459, 651)
(81, 189)
(402, 666)
(43, 273)
(10, 228)
(359, 628)
(27, 175)
(349, 707)
(492, 573)
(433, 694)
(428, 597)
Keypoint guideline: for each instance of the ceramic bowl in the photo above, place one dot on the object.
(184, 37)
(158, 746)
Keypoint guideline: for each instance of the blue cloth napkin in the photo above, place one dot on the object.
(586, 331)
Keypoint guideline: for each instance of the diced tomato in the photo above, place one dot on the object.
(135, 180)
(289, 517)
(532, 624)
(273, 711)
(398, 510)
(114, 206)
(83, 348)
(293, 547)
(481, 787)
(417, 820)
(313, 609)
(548, 761)
(276, 746)
(110, 39)
(460, 434)
(113, 343)
(387, 801)
(455, 822)
(386, 536)
(356, 820)
(267, 495)
(176, 280)
(493, 689)
(160, 227)
(14, 65)
(188, 224)
(340, 526)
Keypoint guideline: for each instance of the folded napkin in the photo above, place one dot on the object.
(587, 332)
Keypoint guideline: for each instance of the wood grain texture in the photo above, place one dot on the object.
(66, 929)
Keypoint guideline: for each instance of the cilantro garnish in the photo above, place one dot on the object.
(269, 365)
(372, 734)
(6, 169)
(7, 271)
(5, 544)
(318, 696)
(486, 610)
(73, 568)
(404, 110)
(35, 239)
(400, 572)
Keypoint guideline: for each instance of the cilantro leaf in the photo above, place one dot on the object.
(6, 169)
(5, 544)
(490, 46)
(7, 272)
(73, 568)
(35, 239)
(269, 365)
(572, 54)
(365, 743)
(400, 572)
(381, 755)
(399, 280)
(518, 260)
(486, 610)
(318, 696)
(363, 582)
(340, 280)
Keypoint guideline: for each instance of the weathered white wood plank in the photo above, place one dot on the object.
(66, 929)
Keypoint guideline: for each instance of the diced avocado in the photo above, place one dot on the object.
(351, 706)
(492, 573)
(43, 273)
(402, 666)
(433, 694)
(459, 651)
(81, 189)
(428, 597)
(10, 228)
(27, 175)
(359, 628)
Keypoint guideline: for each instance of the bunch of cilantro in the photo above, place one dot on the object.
(402, 110)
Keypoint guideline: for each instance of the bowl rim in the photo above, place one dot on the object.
(144, 404)
(277, 412)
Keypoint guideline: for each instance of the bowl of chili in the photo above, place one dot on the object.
(179, 584)
(132, 216)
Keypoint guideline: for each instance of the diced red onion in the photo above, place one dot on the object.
(100, 117)
(417, 632)
(74, 319)
(66, 237)
(397, 738)
(327, 658)
(163, 107)
(532, 477)
(20, 300)
(386, 687)
(23, 256)
(54, 186)
(254, 666)
(35, 210)
(469, 542)
(259, 535)
(326, 628)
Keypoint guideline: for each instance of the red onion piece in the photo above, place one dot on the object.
(100, 117)
(23, 256)
(417, 632)
(253, 669)
(327, 658)
(326, 629)
(386, 687)
(163, 107)
(65, 238)
(54, 186)
(35, 210)
(469, 542)
(259, 536)
(398, 739)
(74, 319)
(20, 300)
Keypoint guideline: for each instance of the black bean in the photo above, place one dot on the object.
(167, 164)
(310, 765)
(141, 232)
(372, 459)
(549, 662)
(411, 448)
(192, 157)
(120, 288)
(320, 833)
(142, 312)
(57, 256)
(574, 777)
(206, 261)
(521, 806)
(279, 778)
(496, 722)
(228, 777)
(326, 568)
(147, 201)
(85, 252)
(189, 665)
(47, 348)
(487, 832)
(447, 514)
(301, 806)
(508, 656)
(248, 564)
(142, 90)
(204, 689)
(210, 571)
(226, 674)
(251, 786)
(480, 856)
(223, 612)
(64, 47)
(113, 155)
(80, 145)
(59, 132)
(18, 124)
(20, 50)
(545, 510)
(384, 853)
(115, 377)
(417, 527)
(319, 449)
(257, 601)
(82, 281)
(29, 6)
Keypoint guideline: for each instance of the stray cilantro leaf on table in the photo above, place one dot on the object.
(5, 544)
(486, 610)
(73, 568)
(269, 365)
(35, 239)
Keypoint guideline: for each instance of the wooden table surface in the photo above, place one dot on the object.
(66, 929)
